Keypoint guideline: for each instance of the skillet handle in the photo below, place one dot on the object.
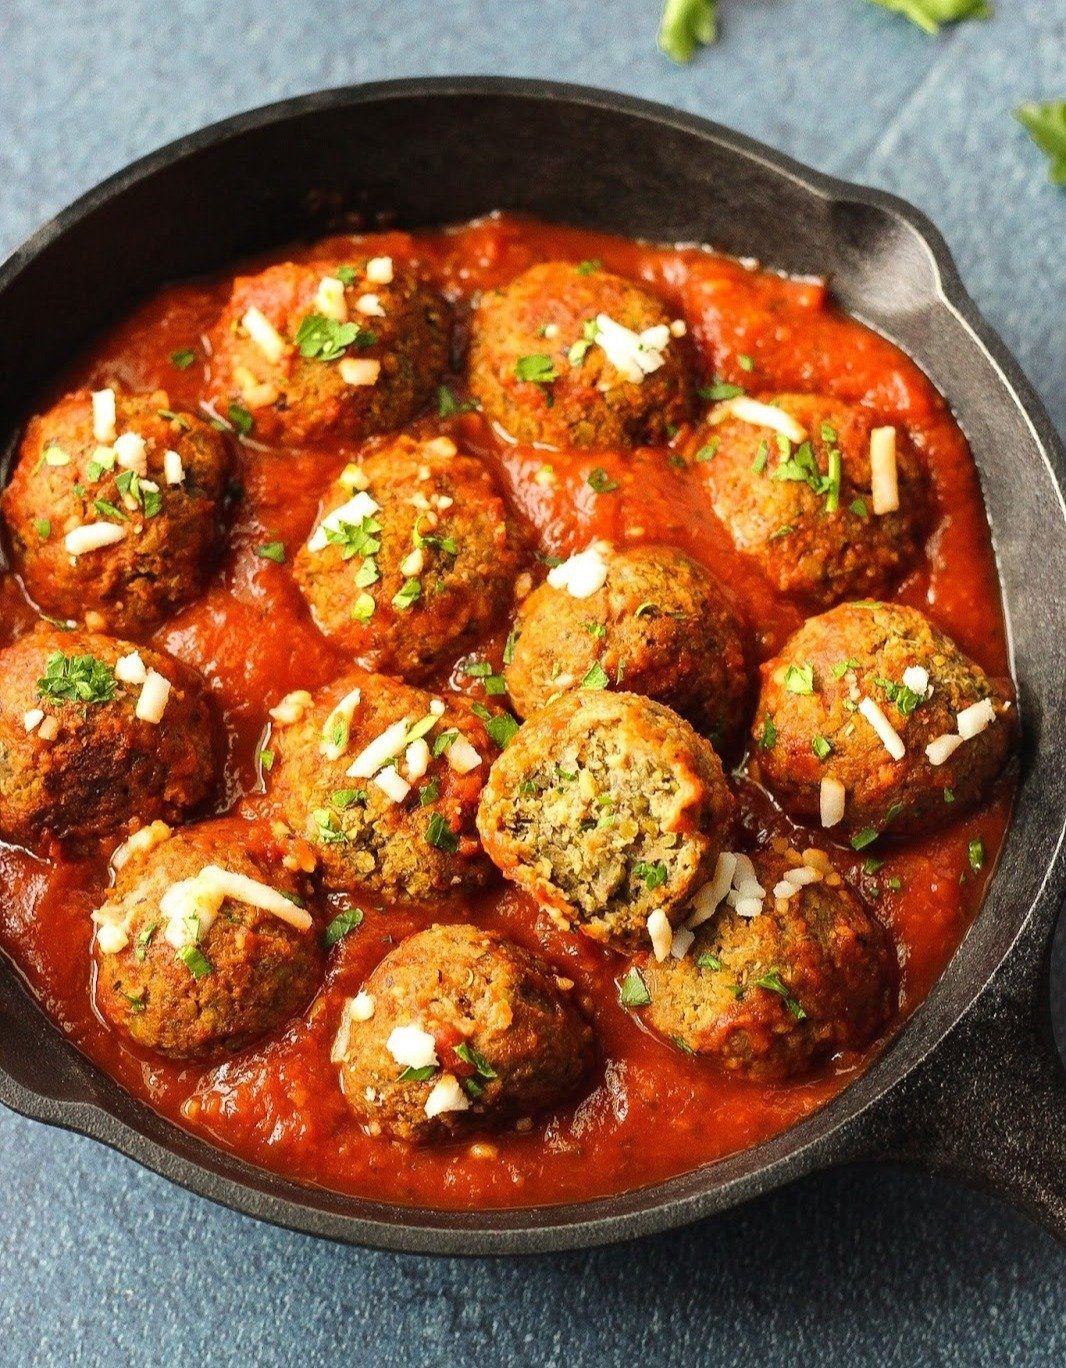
(988, 1104)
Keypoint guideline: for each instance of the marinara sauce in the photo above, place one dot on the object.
(650, 1112)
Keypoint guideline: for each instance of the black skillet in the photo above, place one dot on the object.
(972, 1085)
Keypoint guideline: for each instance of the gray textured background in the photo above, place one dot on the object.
(101, 1263)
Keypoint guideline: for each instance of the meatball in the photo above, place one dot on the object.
(611, 810)
(413, 558)
(95, 733)
(384, 779)
(115, 508)
(205, 942)
(659, 623)
(454, 1028)
(767, 996)
(570, 356)
(856, 672)
(803, 509)
(327, 351)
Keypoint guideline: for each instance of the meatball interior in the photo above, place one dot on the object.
(189, 972)
(813, 720)
(115, 508)
(503, 1039)
(327, 350)
(607, 807)
(575, 356)
(96, 733)
(659, 624)
(766, 996)
(414, 556)
(403, 822)
(803, 507)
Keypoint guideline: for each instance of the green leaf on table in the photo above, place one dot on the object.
(931, 15)
(1046, 125)
(685, 25)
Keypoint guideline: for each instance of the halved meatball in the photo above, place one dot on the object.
(802, 507)
(767, 996)
(327, 351)
(872, 698)
(384, 780)
(206, 942)
(659, 625)
(574, 356)
(611, 810)
(115, 508)
(456, 1028)
(413, 558)
(96, 733)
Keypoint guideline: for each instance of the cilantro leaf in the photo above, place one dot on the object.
(340, 926)
(633, 991)
(931, 15)
(77, 679)
(1046, 125)
(685, 25)
(538, 368)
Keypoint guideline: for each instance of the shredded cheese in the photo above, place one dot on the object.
(329, 299)
(131, 669)
(392, 784)
(173, 468)
(103, 402)
(661, 934)
(760, 415)
(446, 1095)
(359, 370)
(633, 355)
(974, 719)
(291, 708)
(155, 693)
(369, 305)
(884, 476)
(265, 336)
(832, 798)
(33, 718)
(358, 507)
(335, 728)
(461, 755)
(93, 537)
(706, 901)
(583, 574)
(412, 1047)
(379, 270)
(890, 738)
(379, 751)
(942, 748)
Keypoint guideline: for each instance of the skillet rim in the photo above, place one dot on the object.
(811, 1145)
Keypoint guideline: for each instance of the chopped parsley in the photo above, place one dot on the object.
(774, 983)
(708, 961)
(931, 15)
(440, 834)
(633, 991)
(586, 268)
(596, 629)
(871, 864)
(1046, 125)
(77, 679)
(654, 874)
(107, 509)
(761, 457)
(596, 678)
(422, 1075)
(356, 539)
(241, 419)
(363, 607)
(319, 338)
(782, 532)
(949, 796)
(143, 941)
(708, 452)
(863, 838)
(600, 482)
(342, 799)
(272, 551)
(469, 1055)
(443, 740)
(976, 855)
(481, 669)
(266, 760)
(822, 748)
(769, 734)
(327, 828)
(448, 406)
(720, 390)
(904, 699)
(346, 275)
(858, 507)
(501, 727)
(410, 593)
(43, 528)
(841, 668)
(183, 359)
(746, 363)
(537, 368)
(429, 793)
(195, 961)
(341, 925)
(799, 679)
(509, 646)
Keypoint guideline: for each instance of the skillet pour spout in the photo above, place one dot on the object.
(971, 1084)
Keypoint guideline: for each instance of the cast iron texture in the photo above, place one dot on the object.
(972, 1084)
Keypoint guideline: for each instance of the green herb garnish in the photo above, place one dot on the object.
(448, 406)
(241, 419)
(799, 679)
(600, 482)
(863, 838)
(720, 390)
(410, 593)
(822, 748)
(1046, 125)
(440, 834)
(340, 926)
(422, 1075)
(685, 25)
(319, 338)
(182, 359)
(537, 368)
(272, 551)
(976, 854)
(774, 983)
(77, 679)
(469, 1055)
(596, 678)
(195, 961)
(633, 991)
(769, 734)
(931, 15)
(501, 727)
(654, 874)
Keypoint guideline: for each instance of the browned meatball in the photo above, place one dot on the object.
(328, 350)
(659, 626)
(840, 670)
(494, 1033)
(802, 509)
(571, 356)
(206, 942)
(384, 780)
(95, 733)
(413, 558)
(115, 517)
(767, 996)
(611, 810)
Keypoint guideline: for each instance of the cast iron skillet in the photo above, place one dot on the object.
(972, 1085)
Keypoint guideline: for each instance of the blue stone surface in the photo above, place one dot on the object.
(102, 1263)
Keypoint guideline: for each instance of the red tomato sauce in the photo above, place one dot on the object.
(650, 1112)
